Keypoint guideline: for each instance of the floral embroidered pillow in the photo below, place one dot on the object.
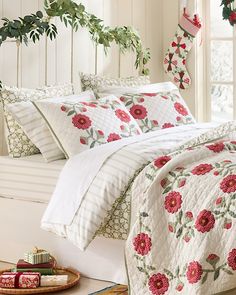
(19, 144)
(161, 110)
(84, 125)
(35, 127)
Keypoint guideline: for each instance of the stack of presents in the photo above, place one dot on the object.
(35, 270)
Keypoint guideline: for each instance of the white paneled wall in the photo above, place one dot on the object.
(50, 62)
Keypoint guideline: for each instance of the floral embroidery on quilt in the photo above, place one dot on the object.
(186, 225)
(191, 272)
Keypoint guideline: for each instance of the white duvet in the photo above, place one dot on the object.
(91, 182)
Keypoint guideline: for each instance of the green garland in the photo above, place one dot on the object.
(34, 26)
(229, 11)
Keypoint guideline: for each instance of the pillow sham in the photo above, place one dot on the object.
(19, 145)
(84, 125)
(155, 111)
(36, 128)
(149, 88)
(94, 82)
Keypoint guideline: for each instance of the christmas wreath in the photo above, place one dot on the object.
(229, 12)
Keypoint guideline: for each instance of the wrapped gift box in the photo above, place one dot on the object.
(26, 280)
(22, 264)
(51, 281)
(42, 268)
(37, 256)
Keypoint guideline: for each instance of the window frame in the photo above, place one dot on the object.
(209, 82)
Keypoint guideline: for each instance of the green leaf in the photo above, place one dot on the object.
(92, 144)
(233, 197)
(229, 272)
(144, 214)
(180, 215)
(179, 232)
(128, 103)
(146, 228)
(232, 214)
(166, 190)
(204, 278)
(172, 174)
(141, 269)
(177, 271)
(185, 268)
(168, 273)
(216, 274)
(216, 212)
(70, 113)
(149, 176)
(39, 14)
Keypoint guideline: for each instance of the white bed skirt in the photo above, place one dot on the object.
(20, 231)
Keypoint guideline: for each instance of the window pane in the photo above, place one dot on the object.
(219, 27)
(222, 61)
(222, 103)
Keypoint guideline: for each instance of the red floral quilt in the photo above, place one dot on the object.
(183, 225)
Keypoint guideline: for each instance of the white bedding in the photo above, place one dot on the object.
(103, 178)
(29, 178)
(33, 180)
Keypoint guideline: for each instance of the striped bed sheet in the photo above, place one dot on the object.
(29, 178)
(106, 205)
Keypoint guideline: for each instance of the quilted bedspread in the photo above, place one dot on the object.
(183, 222)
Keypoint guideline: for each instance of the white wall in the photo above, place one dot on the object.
(35, 69)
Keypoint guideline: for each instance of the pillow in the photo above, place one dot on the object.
(160, 110)
(84, 125)
(94, 82)
(150, 88)
(36, 128)
(19, 145)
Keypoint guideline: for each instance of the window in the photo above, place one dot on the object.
(221, 65)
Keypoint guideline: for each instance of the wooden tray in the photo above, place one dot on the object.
(73, 279)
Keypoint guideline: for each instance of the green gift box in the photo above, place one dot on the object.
(37, 256)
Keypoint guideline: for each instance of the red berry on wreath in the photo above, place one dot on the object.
(232, 17)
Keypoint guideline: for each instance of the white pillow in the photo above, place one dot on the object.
(154, 110)
(118, 90)
(34, 125)
(19, 144)
(95, 82)
(81, 126)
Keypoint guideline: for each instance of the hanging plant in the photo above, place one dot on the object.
(34, 26)
(229, 11)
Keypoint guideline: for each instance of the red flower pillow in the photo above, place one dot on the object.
(160, 110)
(79, 126)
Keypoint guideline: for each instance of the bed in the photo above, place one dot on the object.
(126, 197)
(183, 191)
(130, 196)
(27, 196)
(26, 186)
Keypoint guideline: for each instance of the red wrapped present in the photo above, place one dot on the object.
(22, 280)
(22, 264)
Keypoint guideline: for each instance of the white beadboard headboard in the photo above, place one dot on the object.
(54, 62)
(3, 147)
(72, 76)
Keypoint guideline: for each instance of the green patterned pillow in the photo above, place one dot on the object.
(95, 82)
(19, 145)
